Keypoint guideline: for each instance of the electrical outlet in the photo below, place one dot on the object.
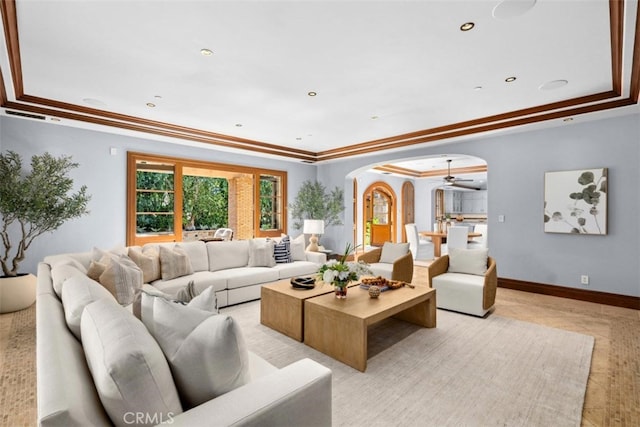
(584, 279)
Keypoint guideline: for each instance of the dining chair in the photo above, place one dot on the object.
(224, 233)
(420, 248)
(457, 236)
(479, 242)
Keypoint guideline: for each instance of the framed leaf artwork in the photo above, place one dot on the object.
(575, 202)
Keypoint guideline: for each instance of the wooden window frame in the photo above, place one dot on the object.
(132, 238)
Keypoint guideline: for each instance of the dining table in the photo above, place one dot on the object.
(437, 237)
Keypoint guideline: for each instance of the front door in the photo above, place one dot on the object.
(379, 204)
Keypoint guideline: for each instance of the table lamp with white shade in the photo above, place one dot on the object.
(313, 227)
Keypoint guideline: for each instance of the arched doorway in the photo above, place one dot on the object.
(379, 201)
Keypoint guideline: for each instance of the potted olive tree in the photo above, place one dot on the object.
(314, 202)
(31, 204)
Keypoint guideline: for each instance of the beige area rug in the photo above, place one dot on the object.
(466, 372)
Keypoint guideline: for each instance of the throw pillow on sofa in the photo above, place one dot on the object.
(148, 259)
(261, 253)
(206, 351)
(206, 301)
(282, 250)
(122, 277)
(298, 246)
(128, 368)
(174, 263)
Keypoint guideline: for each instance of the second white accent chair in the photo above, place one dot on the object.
(457, 237)
(420, 248)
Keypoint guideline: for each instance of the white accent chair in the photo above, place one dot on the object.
(457, 237)
(392, 261)
(420, 248)
(479, 242)
(223, 233)
(466, 281)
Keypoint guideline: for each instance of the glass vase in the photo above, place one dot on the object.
(341, 289)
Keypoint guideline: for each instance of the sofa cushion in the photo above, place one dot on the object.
(247, 276)
(393, 251)
(206, 352)
(297, 268)
(261, 253)
(468, 261)
(382, 269)
(148, 259)
(282, 250)
(128, 367)
(78, 292)
(228, 254)
(197, 253)
(174, 263)
(460, 292)
(62, 271)
(298, 248)
(123, 278)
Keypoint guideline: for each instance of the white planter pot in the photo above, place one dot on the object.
(17, 293)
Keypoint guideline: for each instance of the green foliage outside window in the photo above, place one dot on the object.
(269, 202)
(154, 202)
(205, 203)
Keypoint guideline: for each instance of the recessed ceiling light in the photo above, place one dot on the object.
(510, 79)
(206, 52)
(54, 119)
(374, 117)
(553, 84)
(151, 105)
(158, 96)
(238, 125)
(312, 93)
(568, 119)
(467, 26)
(477, 88)
(298, 139)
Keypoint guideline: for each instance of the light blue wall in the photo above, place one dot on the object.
(105, 177)
(516, 164)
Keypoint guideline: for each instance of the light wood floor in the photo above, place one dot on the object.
(613, 390)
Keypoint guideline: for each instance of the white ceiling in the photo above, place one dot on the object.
(380, 69)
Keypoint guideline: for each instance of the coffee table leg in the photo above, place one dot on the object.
(423, 314)
(337, 335)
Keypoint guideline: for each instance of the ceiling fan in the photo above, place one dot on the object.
(452, 181)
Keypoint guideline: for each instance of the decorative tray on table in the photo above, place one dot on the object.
(303, 282)
(383, 283)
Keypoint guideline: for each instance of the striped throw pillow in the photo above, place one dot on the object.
(282, 251)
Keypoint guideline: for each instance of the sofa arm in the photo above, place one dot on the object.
(296, 395)
(316, 257)
(370, 257)
(403, 268)
(437, 267)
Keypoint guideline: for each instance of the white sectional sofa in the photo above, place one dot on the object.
(223, 265)
(71, 387)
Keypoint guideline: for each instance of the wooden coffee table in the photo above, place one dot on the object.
(282, 306)
(338, 328)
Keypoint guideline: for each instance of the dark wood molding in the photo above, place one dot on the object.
(617, 300)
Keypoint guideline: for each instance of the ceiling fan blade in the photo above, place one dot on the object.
(467, 187)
